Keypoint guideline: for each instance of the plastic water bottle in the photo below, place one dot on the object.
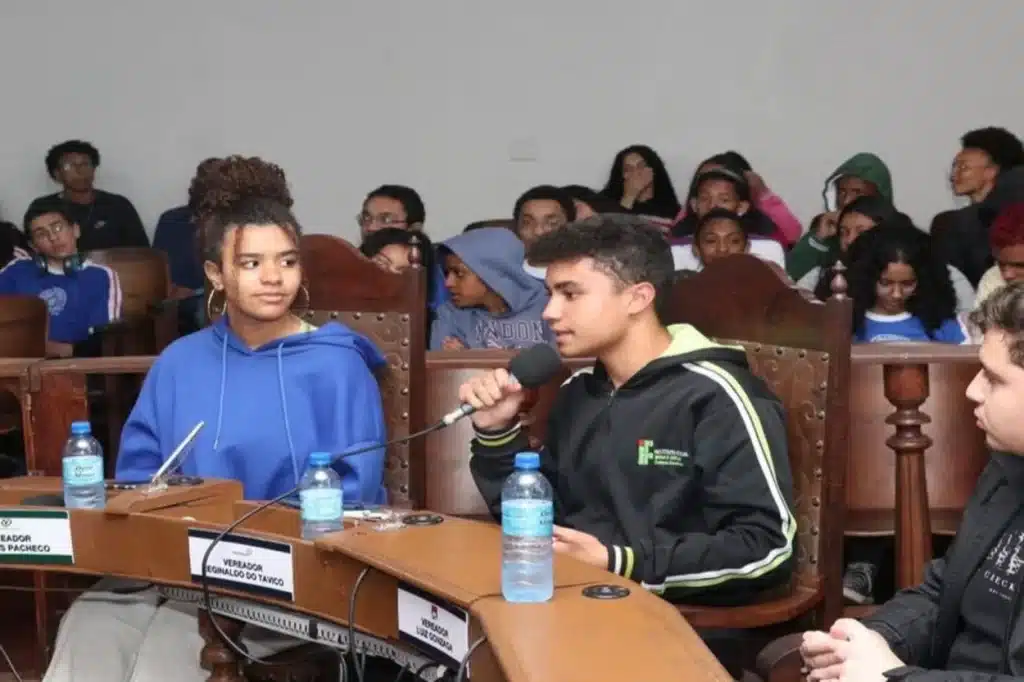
(526, 517)
(82, 466)
(320, 498)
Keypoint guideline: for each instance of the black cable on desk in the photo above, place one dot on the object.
(460, 676)
(358, 665)
(204, 580)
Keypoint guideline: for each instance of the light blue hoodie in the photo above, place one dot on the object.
(265, 410)
(495, 255)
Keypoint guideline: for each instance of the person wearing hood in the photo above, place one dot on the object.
(989, 171)
(669, 457)
(861, 175)
(494, 302)
(271, 389)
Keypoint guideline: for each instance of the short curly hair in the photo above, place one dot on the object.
(1004, 311)
(234, 191)
(59, 151)
(1008, 227)
(1003, 147)
(625, 247)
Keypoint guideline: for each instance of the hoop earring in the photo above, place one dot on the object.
(209, 306)
(305, 309)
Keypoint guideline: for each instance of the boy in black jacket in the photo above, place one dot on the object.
(962, 623)
(668, 459)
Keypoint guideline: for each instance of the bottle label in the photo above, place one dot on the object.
(527, 518)
(83, 470)
(321, 504)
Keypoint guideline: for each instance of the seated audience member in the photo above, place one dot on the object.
(399, 207)
(787, 228)
(13, 243)
(391, 206)
(391, 249)
(281, 389)
(859, 216)
(960, 623)
(541, 209)
(493, 302)
(861, 175)
(589, 203)
(538, 211)
(105, 220)
(639, 182)
(177, 236)
(901, 290)
(669, 458)
(81, 296)
(721, 233)
(722, 189)
(989, 171)
(1007, 240)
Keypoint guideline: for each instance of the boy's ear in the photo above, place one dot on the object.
(742, 208)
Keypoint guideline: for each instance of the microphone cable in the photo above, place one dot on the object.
(207, 598)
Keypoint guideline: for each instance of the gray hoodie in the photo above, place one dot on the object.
(495, 255)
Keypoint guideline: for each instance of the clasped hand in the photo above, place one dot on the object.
(848, 652)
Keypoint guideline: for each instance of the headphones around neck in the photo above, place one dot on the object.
(69, 265)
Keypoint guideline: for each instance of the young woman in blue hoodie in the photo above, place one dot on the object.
(270, 388)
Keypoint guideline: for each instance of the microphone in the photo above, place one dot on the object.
(531, 368)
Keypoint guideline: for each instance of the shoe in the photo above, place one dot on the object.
(859, 583)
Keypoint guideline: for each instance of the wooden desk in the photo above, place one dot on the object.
(571, 638)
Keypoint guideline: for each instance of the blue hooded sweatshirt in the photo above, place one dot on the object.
(265, 410)
(495, 255)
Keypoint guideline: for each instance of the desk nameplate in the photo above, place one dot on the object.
(35, 536)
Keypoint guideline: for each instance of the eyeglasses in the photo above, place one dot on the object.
(82, 164)
(50, 232)
(384, 220)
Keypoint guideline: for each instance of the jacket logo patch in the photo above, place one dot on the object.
(648, 455)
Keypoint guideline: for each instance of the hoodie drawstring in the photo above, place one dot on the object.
(223, 385)
(284, 409)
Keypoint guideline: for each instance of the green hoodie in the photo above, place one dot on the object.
(809, 252)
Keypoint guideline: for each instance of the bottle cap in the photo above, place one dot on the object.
(527, 460)
(80, 428)
(320, 459)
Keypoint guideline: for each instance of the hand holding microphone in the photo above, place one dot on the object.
(495, 398)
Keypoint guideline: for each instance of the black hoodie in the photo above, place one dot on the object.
(961, 236)
(683, 472)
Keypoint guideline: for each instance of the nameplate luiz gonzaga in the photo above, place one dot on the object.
(243, 563)
(35, 536)
(433, 625)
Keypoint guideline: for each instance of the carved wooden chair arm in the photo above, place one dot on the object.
(780, 660)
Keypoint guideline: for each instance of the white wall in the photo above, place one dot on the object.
(348, 94)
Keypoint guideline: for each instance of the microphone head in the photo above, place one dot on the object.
(535, 366)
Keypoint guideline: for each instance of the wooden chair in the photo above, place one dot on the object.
(148, 323)
(801, 349)
(24, 325)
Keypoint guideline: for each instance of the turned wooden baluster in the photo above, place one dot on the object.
(906, 387)
(217, 657)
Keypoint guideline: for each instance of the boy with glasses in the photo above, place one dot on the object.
(80, 296)
(105, 220)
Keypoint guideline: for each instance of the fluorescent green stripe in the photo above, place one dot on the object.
(627, 572)
(762, 450)
(497, 442)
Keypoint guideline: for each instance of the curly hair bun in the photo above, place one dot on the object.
(222, 184)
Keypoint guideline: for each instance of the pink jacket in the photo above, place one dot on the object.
(788, 229)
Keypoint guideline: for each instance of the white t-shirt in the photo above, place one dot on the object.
(765, 249)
